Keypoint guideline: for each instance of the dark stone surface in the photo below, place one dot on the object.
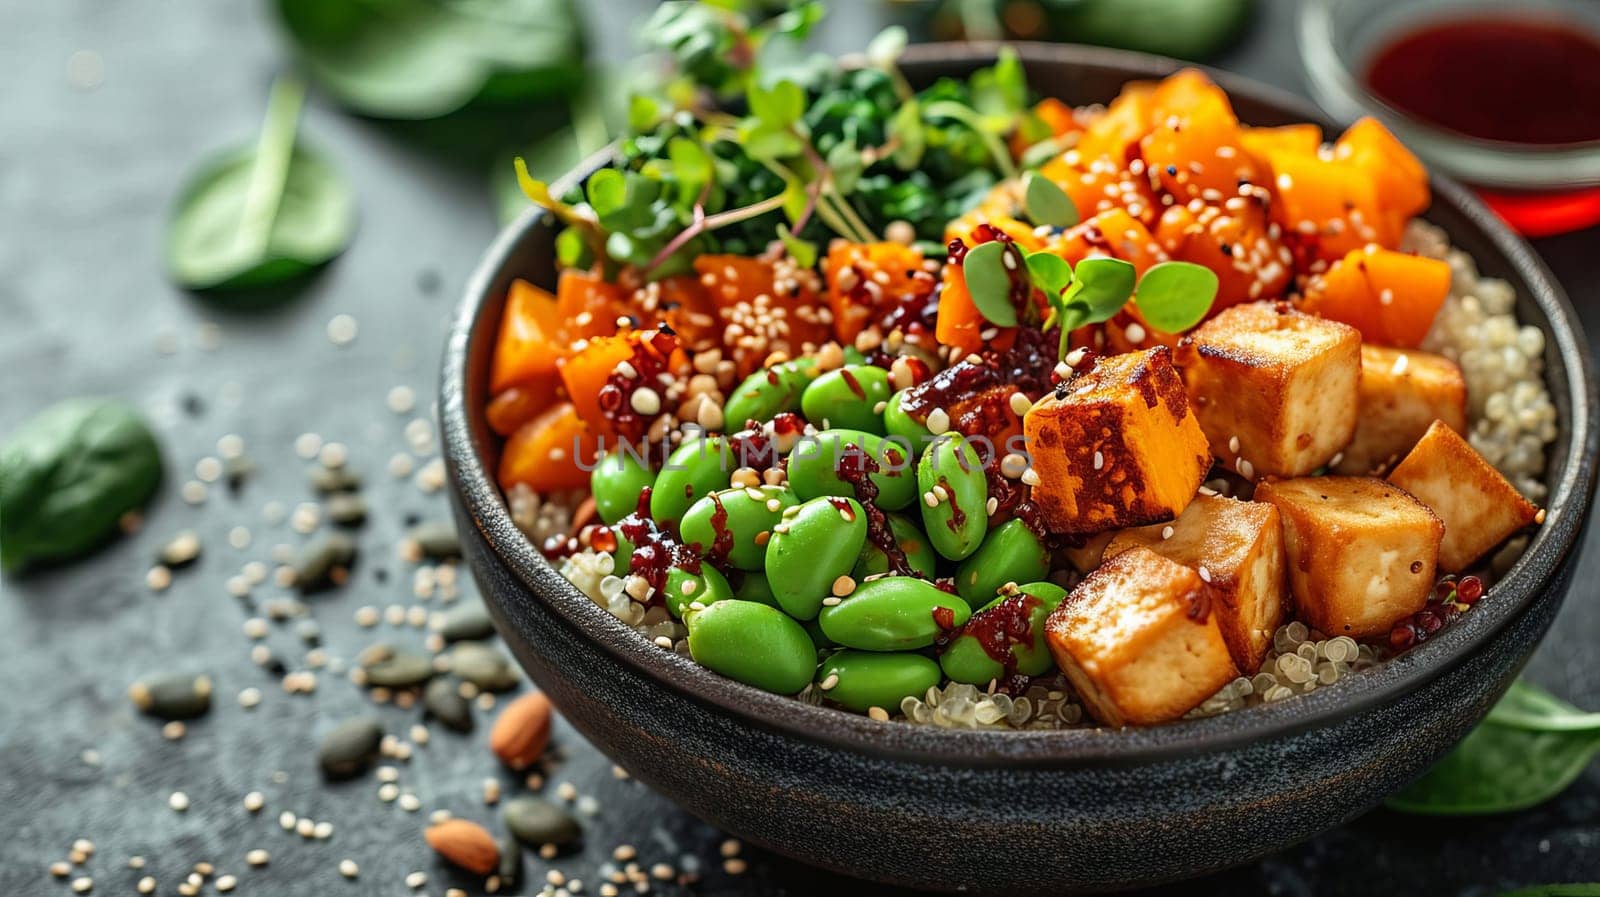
(86, 178)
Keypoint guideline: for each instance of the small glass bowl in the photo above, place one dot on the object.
(1337, 37)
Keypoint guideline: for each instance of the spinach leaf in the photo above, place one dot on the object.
(419, 59)
(67, 476)
(1576, 889)
(260, 215)
(1498, 768)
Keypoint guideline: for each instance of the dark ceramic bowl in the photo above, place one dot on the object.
(1016, 812)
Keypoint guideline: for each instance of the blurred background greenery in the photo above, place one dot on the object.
(479, 82)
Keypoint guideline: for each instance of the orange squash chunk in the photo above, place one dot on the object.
(1117, 446)
(1112, 233)
(1391, 297)
(879, 275)
(1194, 148)
(1125, 120)
(1237, 245)
(758, 318)
(552, 452)
(590, 306)
(585, 372)
(1331, 204)
(1304, 139)
(529, 342)
(1401, 180)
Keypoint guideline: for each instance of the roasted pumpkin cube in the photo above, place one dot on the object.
(1116, 446)
(1403, 391)
(1276, 391)
(1237, 548)
(1361, 552)
(1139, 640)
(1478, 506)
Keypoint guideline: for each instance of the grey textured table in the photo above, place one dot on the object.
(86, 177)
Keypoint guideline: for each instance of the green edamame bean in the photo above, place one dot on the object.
(767, 393)
(966, 659)
(896, 422)
(735, 524)
(950, 475)
(752, 585)
(909, 536)
(752, 643)
(851, 397)
(1010, 553)
(861, 680)
(895, 613)
(617, 481)
(818, 637)
(683, 588)
(815, 463)
(701, 465)
(816, 543)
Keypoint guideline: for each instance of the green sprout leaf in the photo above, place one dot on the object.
(1102, 286)
(989, 282)
(1047, 203)
(692, 167)
(1174, 296)
(1001, 90)
(885, 48)
(779, 106)
(1050, 273)
(905, 128)
(804, 252)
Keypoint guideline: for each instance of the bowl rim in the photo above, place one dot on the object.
(1568, 504)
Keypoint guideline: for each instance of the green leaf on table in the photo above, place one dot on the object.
(68, 475)
(1174, 296)
(989, 282)
(1101, 286)
(421, 59)
(261, 215)
(1499, 768)
(1575, 889)
(1046, 203)
(1050, 273)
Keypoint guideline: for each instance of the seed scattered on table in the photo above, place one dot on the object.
(348, 868)
(178, 801)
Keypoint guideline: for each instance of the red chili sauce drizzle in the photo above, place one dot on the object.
(998, 630)
(649, 360)
(854, 466)
(655, 551)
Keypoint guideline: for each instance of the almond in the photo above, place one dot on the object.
(465, 844)
(522, 730)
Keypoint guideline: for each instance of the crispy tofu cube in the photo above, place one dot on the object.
(1403, 391)
(1139, 640)
(1478, 507)
(1361, 552)
(1237, 547)
(1276, 390)
(1116, 446)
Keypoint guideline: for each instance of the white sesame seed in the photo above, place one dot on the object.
(1134, 333)
(82, 885)
(828, 683)
(342, 330)
(1246, 469)
(938, 421)
(1166, 532)
(1020, 404)
(257, 857)
(226, 883)
(878, 713)
(1233, 444)
(646, 401)
(1400, 364)
(1031, 477)
(349, 869)
(178, 801)
(1099, 460)
(1205, 574)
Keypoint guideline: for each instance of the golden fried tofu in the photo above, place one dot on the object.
(1139, 640)
(1478, 507)
(1403, 391)
(1276, 390)
(1237, 547)
(1361, 552)
(1116, 446)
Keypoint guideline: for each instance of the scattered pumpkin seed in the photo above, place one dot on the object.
(350, 747)
(172, 696)
(314, 566)
(436, 539)
(536, 822)
(403, 669)
(484, 667)
(468, 621)
(346, 509)
(443, 701)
